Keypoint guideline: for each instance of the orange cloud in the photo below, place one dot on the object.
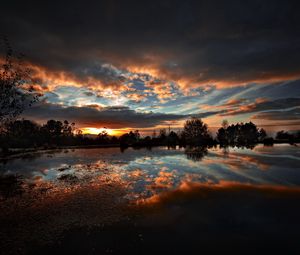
(187, 80)
(45, 79)
(163, 90)
(136, 97)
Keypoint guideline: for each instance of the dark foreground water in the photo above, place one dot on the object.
(197, 201)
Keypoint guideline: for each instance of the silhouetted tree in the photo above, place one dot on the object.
(15, 94)
(103, 137)
(240, 134)
(285, 136)
(137, 135)
(114, 140)
(247, 133)
(269, 141)
(23, 133)
(147, 140)
(282, 135)
(262, 134)
(52, 131)
(130, 138)
(173, 138)
(222, 136)
(225, 124)
(162, 134)
(195, 132)
(68, 129)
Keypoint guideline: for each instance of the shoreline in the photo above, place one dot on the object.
(19, 152)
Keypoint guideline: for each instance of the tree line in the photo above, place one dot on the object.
(28, 134)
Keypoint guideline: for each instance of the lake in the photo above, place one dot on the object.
(171, 199)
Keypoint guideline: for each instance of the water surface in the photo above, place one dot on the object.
(76, 201)
(162, 167)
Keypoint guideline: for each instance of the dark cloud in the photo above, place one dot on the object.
(88, 93)
(264, 105)
(201, 41)
(96, 116)
(293, 114)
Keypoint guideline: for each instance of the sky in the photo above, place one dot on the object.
(145, 65)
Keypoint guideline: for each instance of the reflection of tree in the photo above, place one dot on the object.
(196, 153)
(123, 148)
(240, 146)
(225, 150)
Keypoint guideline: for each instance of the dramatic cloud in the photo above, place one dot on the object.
(191, 42)
(293, 114)
(170, 57)
(263, 104)
(110, 117)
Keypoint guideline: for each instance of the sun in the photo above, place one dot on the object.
(96, 131)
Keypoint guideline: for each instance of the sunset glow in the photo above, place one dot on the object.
(96, 131)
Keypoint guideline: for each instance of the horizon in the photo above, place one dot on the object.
(271, 130)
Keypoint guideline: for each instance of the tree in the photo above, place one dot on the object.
(162, 134)
(173, 138)
(15, 95)
(130, 138)
(283, 135)
(262, 134)
(222, 135)
(240, 134)
(103, 137)
(247, 133)
(68, 129)
(23, 133)
(195, 132)
(225, 124)
(52, 131)
(137, 135)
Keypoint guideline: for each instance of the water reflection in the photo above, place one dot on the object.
(149, 172)
(201, 190)
(195, 153)
(57, 190)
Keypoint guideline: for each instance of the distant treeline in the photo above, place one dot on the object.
(247, 133)
(240, 133)
(28, 134)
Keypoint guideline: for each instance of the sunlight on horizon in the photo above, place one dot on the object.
(96, 131)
